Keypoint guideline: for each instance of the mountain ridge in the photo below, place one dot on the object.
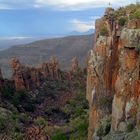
(63, 48)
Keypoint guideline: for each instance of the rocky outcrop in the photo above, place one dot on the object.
(113, 76)
(102, 72)
(51, 69)
(30, 77)
(24, 76)
(134, 24)
(74, 64)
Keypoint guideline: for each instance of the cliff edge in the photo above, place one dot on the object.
(113, 76)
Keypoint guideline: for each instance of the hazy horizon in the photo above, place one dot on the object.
(26, 21)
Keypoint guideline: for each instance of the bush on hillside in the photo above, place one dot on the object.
(7, 91)
(135, 15)
(122, 21)
(40, 121)
(104, 31)
(59, 136)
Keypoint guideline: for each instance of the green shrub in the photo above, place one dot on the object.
(130, 127)
(79, 111)
(7, 91)
(17, 136)
(122, 21)
(59, 136)
(135, 15)
(72, 103)
(24, 118)
(104, 31)
(9, 124)
(138, 47)
(18, 97)
(21, 99)
(40, 121)
(3, 123)
(83, 127)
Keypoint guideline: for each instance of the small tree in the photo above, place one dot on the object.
(40, 121)
(104, 31)
(122, 21)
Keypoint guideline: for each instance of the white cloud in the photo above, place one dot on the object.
(81, 4)
(14, 37)
(81, 26)
(61, 4)
(94, 17)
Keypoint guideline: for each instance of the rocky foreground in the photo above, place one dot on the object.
(113, 77)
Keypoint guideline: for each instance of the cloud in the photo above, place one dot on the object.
(14, 38)
(81, 26)
(81, 4)
(5, 6)
(94, 17)
(16, 4)
(61, 4)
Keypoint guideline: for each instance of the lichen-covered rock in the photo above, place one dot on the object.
(113, 72)
(130, 38)
(102, 73)
(134, 24)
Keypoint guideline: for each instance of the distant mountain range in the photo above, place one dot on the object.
(39, 51)
(6, 42)
(91, 31)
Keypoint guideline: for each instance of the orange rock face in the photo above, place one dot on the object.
(108, 10)
(31, 77)
(28, 78)
(134, 24)
(114, 71)
(129, 59)
(74, 64)
(102, 73)
(15, 64)
(51, 69)
(126, 89)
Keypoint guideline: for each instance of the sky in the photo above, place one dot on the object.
(22, 19)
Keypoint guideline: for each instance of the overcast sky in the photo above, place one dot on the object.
(32, 18)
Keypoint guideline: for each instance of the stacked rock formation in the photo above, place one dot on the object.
(51, 69)
(24, 77)
(74, 64)
(30, 77)
(113, 76)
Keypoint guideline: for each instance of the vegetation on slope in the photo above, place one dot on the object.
(58, 110)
